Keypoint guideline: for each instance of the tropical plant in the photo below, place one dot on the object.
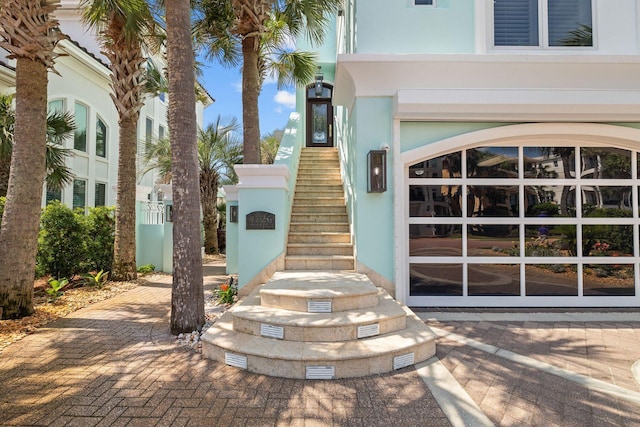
(226, 292)
(55, 288)
(60, 126)
(27, 33)
(187, 296)
(100, 231)
(97, 279)
(146, 269)
(219, 148)
(124, 28)
(259, 31)
(269, 146)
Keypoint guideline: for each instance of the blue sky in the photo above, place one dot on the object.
(225, 85)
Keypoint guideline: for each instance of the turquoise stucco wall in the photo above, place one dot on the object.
(405, 28)
(417, 134)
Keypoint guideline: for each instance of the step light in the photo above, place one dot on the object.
(235, 360)
(320, 372)
(319, 306)
(368, 330)
(403, 361)
(271, 331)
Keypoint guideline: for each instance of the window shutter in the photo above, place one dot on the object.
(570, 23)
(515, 22)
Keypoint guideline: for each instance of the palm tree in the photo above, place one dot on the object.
(269, 146)
(123, 27)
(219, 148)
(60, 126)
(262, 29)
(187, 296)
(27, 33)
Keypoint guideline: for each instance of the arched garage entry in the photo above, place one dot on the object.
(522, 215)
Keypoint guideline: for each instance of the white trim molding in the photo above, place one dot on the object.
(262, 176)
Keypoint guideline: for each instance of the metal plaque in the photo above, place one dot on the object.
(320, 372)
(403, 361)
(260, 220)
(271, 331)
(368, 330)
(319, 306)
(235, 360)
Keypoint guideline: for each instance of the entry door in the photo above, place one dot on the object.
(319, 123)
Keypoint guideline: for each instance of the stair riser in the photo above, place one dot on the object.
(315, 209)
(320, 238)
(320, 250)
(319, 201)
(294, 302)
(319, 334)
(316, 217)
(346, 368)
(318, 265)
(314, 188)
(306, 195)
(318, 227)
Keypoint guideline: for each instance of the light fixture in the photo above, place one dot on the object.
(233, 213)
(318, 83)
(377, 177)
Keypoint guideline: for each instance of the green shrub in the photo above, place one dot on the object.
(55, 288)
(62, 249)
(96, 279)
(100, 232)
(146, 269)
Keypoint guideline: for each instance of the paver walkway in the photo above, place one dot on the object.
(114, 363)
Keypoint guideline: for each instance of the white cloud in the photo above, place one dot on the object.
(285, 99)
(237, 85)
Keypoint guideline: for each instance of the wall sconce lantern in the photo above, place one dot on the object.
(233, 213)
(377, 168)
(318, 83)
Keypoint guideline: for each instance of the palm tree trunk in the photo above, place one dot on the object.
(208, 195)
(250, 94)
(187, 297)
(5, 166)
(19, 233)
(124, 248)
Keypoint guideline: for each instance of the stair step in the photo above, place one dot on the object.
(319, 209)
(249, 318)
(292, 359)
(293, 290)
(319, 249)
(321, 237)
(319, 217)
(335, 227)
(320, 262)
(310, 200)
(319, 186)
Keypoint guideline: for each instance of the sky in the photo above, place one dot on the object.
(225, 86)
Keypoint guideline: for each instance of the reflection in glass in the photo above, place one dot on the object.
(605, 163)
(435, 240)
(550, 200)
(493, 240)
(492, 200)
(435, 201)
(447, 166)
(597, 199)
(607, 240)
(492, 162)
(494, 279)
(435, 279)
(549, 162)
(551, 280)
(609, 280)
(550, 240)
(319, 113)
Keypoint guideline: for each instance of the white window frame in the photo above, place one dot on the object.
(583, 135)
(543, 31)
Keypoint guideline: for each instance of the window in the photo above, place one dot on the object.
(80, 136)
(56, 105)
(101, 194)
(52, 195)
(148, 135)
(79, 193)
(522, 221)
(542, 23)
(425, 2)
(101, 138)
(161, 132)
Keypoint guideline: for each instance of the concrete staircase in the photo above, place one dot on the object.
(319, 319)
(319, 233)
